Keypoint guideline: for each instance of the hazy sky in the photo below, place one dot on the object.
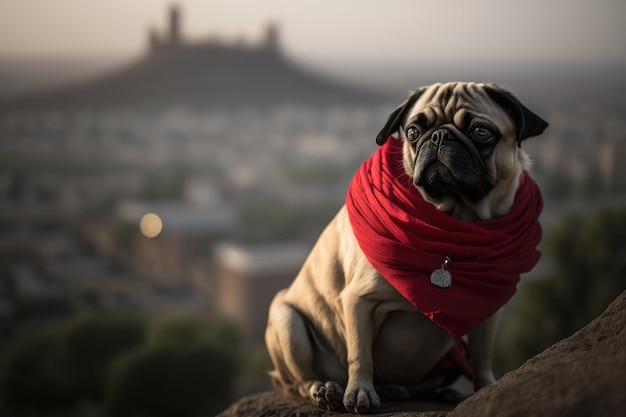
(397, 30)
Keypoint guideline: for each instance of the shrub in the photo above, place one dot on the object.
(187, 368)
(166, 380)
(185, 331)
(60, 366)
(257, 362)
(33, 373)
(92, 342)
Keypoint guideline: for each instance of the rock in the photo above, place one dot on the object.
(583, 375)
(274, 404)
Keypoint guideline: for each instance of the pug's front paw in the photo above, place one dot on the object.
(361, 398)
(327, 395)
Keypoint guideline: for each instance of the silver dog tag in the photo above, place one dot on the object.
(440, 277)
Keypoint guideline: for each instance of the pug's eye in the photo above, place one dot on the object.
(482, 134)
(412, 134)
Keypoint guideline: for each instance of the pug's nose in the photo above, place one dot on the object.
(440, 135)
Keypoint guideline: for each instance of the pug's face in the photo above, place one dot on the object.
(462, 146)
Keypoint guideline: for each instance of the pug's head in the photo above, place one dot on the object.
(462, 146)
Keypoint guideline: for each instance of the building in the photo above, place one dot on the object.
(172, 39)
(248, 277)
(612, 166)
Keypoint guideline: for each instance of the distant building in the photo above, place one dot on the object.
(248, 277)
(172, 39)
(272, 41)
(612, 166)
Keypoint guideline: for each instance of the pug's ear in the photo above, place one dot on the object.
(528, 123)
(397, 117)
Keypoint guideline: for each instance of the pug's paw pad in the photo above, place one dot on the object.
(327, 395)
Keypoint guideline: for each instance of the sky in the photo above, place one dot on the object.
(346, 30)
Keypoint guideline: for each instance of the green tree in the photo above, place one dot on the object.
(257, 362)
(187, 369)
(589, 255)
(33, 373)
(60, 366)
(91, 342)
(184, 367)
(182, 330)
(167, 381)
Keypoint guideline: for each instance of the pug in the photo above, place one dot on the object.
(402, 291)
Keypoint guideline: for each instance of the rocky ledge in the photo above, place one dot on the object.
(583, 375)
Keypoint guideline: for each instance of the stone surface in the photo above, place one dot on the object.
(583, 375)
(274, 404)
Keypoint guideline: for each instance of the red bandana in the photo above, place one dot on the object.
(406, 238)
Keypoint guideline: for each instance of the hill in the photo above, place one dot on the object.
(203, 75)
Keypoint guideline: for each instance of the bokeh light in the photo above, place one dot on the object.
(150, 225)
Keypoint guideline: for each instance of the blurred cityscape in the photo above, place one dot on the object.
(243, 169)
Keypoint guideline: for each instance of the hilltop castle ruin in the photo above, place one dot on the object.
(172, 40)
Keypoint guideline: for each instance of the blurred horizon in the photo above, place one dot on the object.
(46, 44)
